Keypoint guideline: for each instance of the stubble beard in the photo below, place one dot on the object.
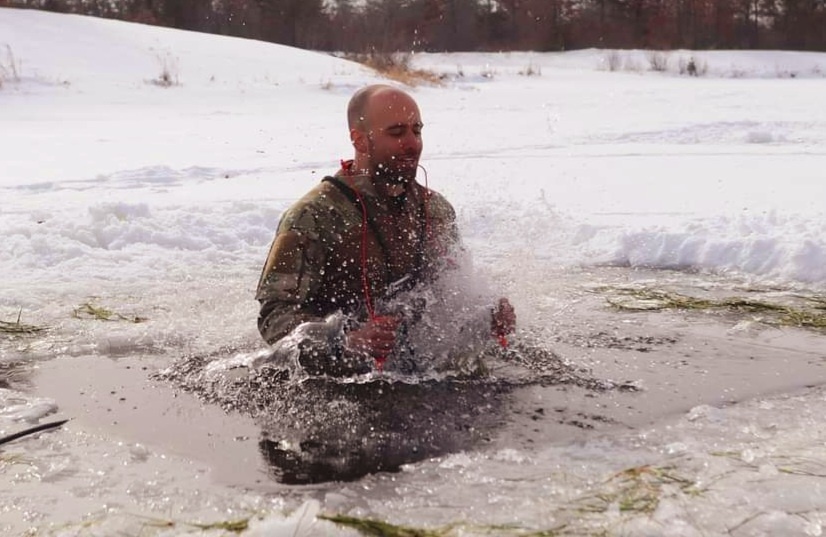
(392, 174)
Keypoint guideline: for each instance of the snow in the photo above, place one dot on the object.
(164, 200)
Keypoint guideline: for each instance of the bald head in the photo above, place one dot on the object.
(386, 131)
(358, 110)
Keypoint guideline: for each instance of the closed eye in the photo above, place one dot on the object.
(397, 131)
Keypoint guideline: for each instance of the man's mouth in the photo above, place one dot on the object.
(407, 162)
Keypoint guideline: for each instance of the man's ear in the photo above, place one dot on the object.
(359, 139)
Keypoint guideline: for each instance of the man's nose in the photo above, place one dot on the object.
(410, 141)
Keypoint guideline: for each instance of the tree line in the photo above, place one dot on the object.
(467, 25)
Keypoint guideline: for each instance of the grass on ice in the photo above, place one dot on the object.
(18, 328)
(377, 528)
(90, 311)
(636, 490)
(647, 299)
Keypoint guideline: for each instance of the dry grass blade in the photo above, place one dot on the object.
(234, 526)
(545, 533)
(99, 313)
(10, 459)
(18, 328)
(90, 311)
(377, 528)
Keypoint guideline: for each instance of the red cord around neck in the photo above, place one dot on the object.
(347, 168)
(349, 172)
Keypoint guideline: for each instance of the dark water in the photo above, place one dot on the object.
(317, 429)
(321, 430)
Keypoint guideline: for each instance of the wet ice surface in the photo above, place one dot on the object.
(693, 452)
(157, 206)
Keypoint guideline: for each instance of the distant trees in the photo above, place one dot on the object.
(437, 25)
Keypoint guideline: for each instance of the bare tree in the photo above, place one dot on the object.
(409, 25)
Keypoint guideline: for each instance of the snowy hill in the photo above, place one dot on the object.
(106, 53)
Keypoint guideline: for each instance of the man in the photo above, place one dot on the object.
(356, 240)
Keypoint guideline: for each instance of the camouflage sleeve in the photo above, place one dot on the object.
(287, 291)
(291, 276)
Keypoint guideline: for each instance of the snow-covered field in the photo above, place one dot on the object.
(160, 202)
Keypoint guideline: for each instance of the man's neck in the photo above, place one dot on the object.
(386, 186)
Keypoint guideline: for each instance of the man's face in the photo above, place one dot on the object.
(394, 135)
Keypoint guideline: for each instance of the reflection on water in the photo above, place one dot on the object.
(321, 430)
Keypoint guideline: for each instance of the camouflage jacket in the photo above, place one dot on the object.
(312, 286)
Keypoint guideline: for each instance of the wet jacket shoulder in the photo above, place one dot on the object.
(299, 257)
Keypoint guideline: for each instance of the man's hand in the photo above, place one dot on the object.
(503, 318)
(376, 337)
